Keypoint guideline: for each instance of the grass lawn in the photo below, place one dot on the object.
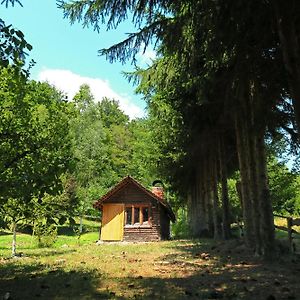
(183, 269)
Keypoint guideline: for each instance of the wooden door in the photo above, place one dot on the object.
(112, 222)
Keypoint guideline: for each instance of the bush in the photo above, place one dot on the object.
(46, 234)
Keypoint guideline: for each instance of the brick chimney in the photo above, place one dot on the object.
(157, 189)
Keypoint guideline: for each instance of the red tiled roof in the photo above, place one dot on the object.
(124, 182)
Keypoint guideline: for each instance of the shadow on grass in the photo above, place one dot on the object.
(207, 270)
(38, 281)
(5, 233)
(46, 252)
(66, 230)
(37, 252)
(71, 231)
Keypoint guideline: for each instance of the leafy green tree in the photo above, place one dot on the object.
(51, 210)
(88, 151)
(284, 187)
(111, 114)
(34, 137)
(145, 152)
(34, 142)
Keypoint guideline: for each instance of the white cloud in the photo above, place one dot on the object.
(146, 58)
(70, 82)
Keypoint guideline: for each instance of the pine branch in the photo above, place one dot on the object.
(12, 2)
(95, 12)
(135, 42)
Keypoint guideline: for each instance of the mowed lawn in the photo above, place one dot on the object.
(183, 269)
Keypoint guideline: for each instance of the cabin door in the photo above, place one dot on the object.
(112, 222)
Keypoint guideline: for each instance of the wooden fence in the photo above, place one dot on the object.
(290, 222)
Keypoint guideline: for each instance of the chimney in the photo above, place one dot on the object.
(157, 188)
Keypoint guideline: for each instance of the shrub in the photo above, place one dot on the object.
(46, 234)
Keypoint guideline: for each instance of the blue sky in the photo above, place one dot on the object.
(66, 55)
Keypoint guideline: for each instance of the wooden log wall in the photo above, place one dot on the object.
(146, 233)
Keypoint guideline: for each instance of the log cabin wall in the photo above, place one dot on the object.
(145, 233)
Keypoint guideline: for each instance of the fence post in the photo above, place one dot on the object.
(290, 233)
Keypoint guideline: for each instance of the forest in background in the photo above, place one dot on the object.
(221, 128)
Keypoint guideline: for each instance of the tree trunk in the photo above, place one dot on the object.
(197, 207)
(202, 217)
(191, 209)
(14, 241)
(256, 215)
(286, 17)
(241, 140)
(197, 211)
(215, 198)
(267, 219)
(80, 225)
(254, 108)
(207, 198)
(225, 199)
(238, 187)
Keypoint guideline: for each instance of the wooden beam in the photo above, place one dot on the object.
(285, 229)
(132, 215)
(296, 222)
(141, 215)
(281, 228)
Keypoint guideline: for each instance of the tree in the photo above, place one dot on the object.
(34, 136)
(144, 155)
(88, 154)
(111, 114)
(34, 146)
(284, 187)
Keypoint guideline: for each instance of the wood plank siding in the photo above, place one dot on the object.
(130, 194)
(112, 222)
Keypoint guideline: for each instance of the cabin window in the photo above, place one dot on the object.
(145, 213)
(137, 215)
(128, 216)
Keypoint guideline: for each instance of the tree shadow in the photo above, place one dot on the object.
(65, 230)
(71, 231)
(207, 270)
(4, 233)
(45, 252)
(39, 281)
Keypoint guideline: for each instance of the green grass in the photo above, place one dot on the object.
(66, 237)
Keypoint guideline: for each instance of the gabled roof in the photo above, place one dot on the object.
(125, 182)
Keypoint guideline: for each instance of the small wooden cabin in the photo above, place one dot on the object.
(130, 212)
